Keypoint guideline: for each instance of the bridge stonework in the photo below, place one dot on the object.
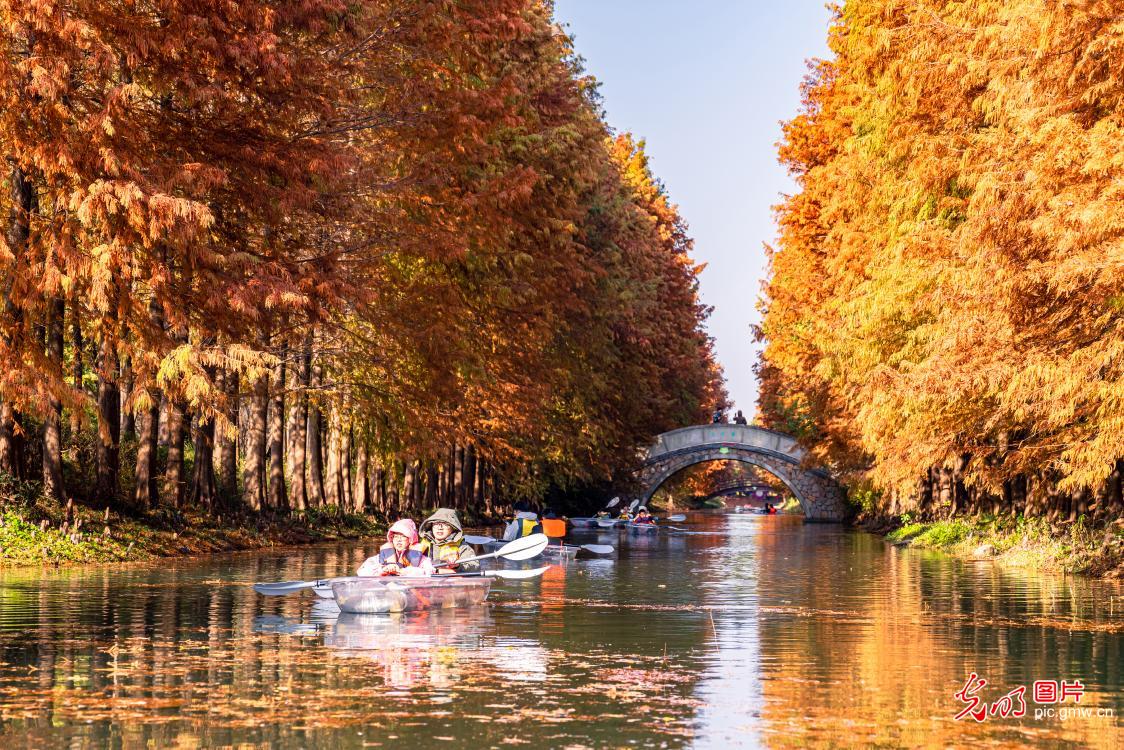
(819, 495)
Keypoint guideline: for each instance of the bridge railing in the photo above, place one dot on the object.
(748, 436)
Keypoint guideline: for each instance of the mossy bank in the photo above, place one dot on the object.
(34, 531)
(1070, 547)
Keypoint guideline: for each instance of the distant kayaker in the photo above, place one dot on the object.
(525, 523)
(643, 516)
(442, 540)
(400, 555)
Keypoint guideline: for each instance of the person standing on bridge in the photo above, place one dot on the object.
(739, 418)
(719, 417)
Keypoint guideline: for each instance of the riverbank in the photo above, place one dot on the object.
(34, 531)
(1069, 547)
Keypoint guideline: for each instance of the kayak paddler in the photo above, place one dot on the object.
(643, 516)
(400, 555)
(442, 539)
(525, 523)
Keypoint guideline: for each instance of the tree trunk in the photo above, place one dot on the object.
(469, 475)
(145, 493)
(109, 421)
(394, 500)
(478, 486)
(315, 487)
(431, 500)
(52, 421)
(128, 421)
(204, 491)
(277, 497)
(347, 501)
(298, 428)
(226, 446)
(332, 494)
(174, 470)
(378, 489)
(76, 344)
(360, 495)
(253, 466)
(23, 204)
(408, 480)
(458, 477)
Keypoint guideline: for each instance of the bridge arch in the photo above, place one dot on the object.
(818, 494)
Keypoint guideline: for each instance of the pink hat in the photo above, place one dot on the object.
(406, 528)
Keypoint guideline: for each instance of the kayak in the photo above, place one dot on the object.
(561, 551)
(642, 528)
(374, 596)
(584, 523)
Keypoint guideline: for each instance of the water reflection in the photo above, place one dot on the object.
(758, 631)
(871, 652)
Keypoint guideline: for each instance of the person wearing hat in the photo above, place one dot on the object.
(442, 539)
(400, 555)
(525, 523)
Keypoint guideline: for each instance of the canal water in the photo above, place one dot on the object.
(752, 631)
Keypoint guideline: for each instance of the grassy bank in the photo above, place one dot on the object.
(34, 531)
(1072, 547)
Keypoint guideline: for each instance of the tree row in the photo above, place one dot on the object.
(943, 321)
(288, 255)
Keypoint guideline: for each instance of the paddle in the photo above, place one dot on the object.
(612, 503)
(507, 575)
(597, 549)
(281, 588)
(678, 517)
(523, 548)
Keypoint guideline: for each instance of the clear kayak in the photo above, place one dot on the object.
(375, 596)
(561, 551)
(642, 528)
(584, 523)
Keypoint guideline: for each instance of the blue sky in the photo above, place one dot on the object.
(707, 83)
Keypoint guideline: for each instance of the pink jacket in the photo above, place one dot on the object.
(416, 563)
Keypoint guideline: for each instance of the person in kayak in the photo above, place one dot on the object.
(643, 516)
(442, 539)
(525, 523)
(400, 555)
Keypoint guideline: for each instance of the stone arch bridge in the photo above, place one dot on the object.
(819, 495)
